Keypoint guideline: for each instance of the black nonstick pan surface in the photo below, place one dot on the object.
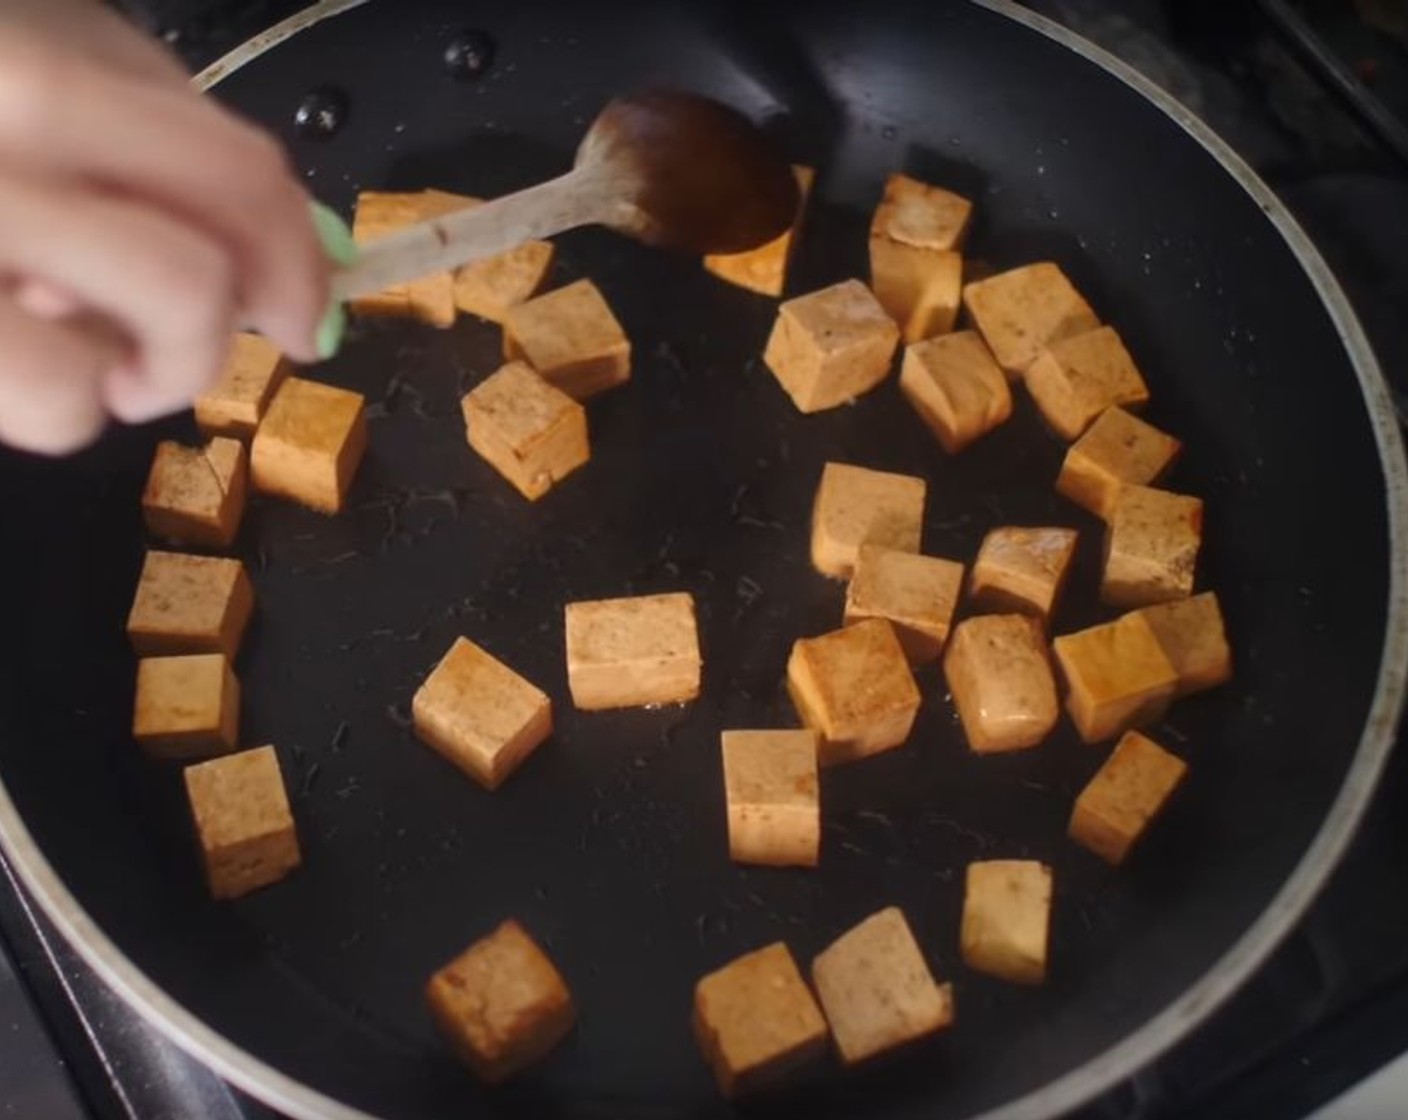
(609, 843)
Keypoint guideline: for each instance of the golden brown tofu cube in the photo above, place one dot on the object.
(196, 495)
(957, 387)
(1192, 636)
(480, 715)
(856, 506)
(186, 707)
(1000, 677)
(1117, 675)
(831, 345)
(1075, 379)
(1125, 796)
(916, 593)
(876, 988)
(1025, 310)
(378, 214)
(764, 269)
(1117, 450)
(770, 785)
(1151, 547)
(854, 685)
(234, 405)
(489, 288)
(190, 604)
(1007, 918)
(628, 653)
(310, 444)
(920, 289)
(755, 1020)
(501, 1004)
(570, 337)
(1022, 569)
(243, 821)
(532, 433)
(915, 213)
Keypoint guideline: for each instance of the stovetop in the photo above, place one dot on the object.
(1315, 97)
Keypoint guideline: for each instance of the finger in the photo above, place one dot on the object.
(187, 154)
(168, 287)
(95, 32)
(50, 383)
(46, 300)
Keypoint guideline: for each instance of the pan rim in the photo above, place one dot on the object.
(1162, 1030)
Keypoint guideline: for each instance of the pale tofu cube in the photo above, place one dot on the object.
(196, 495)
(855, 687)
(480, 715)
(1074, 380)
(1120, 803)
(234, 405)
(756, 1021)
(1193, 638)
(531, 432)
(830, 346)
(628, 653)
(1117, 677)
(770, 786)
(570, 337)
(1023, 311)
(186, 707)
(1117, 450)
(190, 604)
(1007, 919)
(764, 269)
(1000, 677)
(310, 444)
(920, 289)
(957, 387)
(917, 594)
(856, 506)
(243, 821)
(501, 1005)
(915, 213)
(1152, 539)
(489, 288)
(1021, 569)
(876, 988)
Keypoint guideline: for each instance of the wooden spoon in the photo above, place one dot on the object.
(667, 168)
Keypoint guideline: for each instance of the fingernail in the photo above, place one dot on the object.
(331, 330)
(333, 233)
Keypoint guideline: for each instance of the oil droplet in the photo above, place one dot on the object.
(889, 132)
(469, 55)
(321, 113)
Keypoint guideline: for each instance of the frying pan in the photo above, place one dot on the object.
(609, 843)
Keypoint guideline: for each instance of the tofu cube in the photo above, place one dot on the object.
(1024, 570)
(570, 337)
(830, 346)
(1000, 677)
(1117, 450)
(920, 289)
(1151, 547)
(531, 432)
(957, 387)
(915, 213)
(187, 706)
(480, 715)
(876, 988)
(627, 653)
(1074, 380)
(235, 404)
(1117, 677)
(770, 783)
(856, 506)
(1120, 803)
(1007, 919)
(1193, 638)
(489, 288)
(196, 495)
(764, 269)
(855, 687)
(1023, 311)
(310, 444)
(378, 214)
(243, 821)
(501, 1004)
(755, 1020)
(917, 594)
(190, 604)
